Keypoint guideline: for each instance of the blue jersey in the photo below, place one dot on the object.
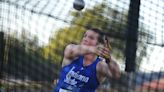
(78, 78)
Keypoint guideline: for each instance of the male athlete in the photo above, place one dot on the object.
(82, 68)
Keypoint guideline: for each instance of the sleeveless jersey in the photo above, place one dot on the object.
(78, 78)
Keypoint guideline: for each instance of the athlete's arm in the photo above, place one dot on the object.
(73, 51)
(112, 65)
(114, 68)
(104, 70)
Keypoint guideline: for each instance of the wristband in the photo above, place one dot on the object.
(107, 60)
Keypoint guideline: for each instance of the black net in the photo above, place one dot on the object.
(34, 33)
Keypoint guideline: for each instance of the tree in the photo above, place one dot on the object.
(23, 58)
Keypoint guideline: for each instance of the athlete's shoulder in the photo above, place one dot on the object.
(68, 51)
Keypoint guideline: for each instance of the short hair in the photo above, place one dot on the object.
(96, 30)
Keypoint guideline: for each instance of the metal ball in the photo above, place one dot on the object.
(78, 4)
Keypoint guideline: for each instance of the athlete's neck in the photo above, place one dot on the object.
(89, 59)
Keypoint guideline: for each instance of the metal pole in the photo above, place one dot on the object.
(132, 35)
(131, 41)
(1, 53)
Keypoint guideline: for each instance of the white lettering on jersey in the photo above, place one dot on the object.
(75, 75)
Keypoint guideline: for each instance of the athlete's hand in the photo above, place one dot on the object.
(104, 50)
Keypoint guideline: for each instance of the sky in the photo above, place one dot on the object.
(151, 14)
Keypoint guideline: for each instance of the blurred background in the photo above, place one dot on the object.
(34, 33)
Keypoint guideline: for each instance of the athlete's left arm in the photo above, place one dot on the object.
(105, 70)
(114, 68)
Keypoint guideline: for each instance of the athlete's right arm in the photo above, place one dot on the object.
(73, 51)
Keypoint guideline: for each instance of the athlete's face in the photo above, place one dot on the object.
(90, 38)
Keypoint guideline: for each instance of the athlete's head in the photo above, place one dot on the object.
(92, 37)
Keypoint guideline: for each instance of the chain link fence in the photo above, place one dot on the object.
(34, 33)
